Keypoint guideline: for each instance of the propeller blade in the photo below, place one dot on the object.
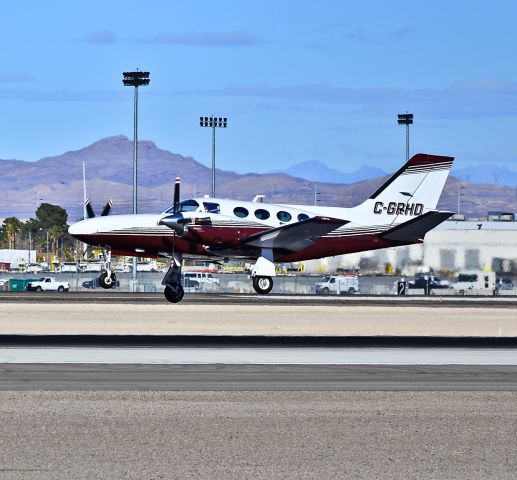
(107, 208)
(176, 195)
(89, 210)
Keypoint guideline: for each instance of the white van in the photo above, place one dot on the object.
(191, 278)
(475, 281)
(342, 284)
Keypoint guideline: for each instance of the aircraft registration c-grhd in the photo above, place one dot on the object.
(400, 212)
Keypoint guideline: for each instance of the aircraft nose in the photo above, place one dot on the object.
(84, 227)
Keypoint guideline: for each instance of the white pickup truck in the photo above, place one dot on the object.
(48, 284)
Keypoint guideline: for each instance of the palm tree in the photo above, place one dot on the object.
(55, 232)
(12, 226)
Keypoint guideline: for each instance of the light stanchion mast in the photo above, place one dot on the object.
(135, 79)
(407, 120)
(213, 123)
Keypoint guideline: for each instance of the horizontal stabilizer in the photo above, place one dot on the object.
(415, 229)
(296, 236)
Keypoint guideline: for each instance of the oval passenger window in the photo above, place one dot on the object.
(262, 214)
(240, 212)
(284, 216)
(302, 217)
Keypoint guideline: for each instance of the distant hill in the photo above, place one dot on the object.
(58, 180)
(487, 174)
(316, 171)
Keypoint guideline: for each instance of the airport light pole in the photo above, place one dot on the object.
(316, 193)
(213, 123)
(135, 79)
(407, 120)
(460, 188)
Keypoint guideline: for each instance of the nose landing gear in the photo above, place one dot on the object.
(108, 279)
(173, 289)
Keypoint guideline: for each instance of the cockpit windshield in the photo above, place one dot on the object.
(185, 206)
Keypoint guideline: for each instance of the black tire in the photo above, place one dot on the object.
(325, 291)
(351, 291)
(262, 285)
(107, 282)
(60, 289)
(39, 289)
(174, 293)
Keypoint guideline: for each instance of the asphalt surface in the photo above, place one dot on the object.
(220, 377)
(111, 297)
(258, 435)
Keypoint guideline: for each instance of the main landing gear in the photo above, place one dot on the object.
(108, 279)
(173, 289)
(262, 285)
(262, 273)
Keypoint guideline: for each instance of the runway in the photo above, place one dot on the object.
(256, 363)
(309, 419)
(317, 378)
(110, 297)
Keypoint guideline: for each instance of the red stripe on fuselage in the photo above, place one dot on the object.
(153, 245)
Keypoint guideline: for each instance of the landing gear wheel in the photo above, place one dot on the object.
(107, 282)
(174, 293)
(262, 285)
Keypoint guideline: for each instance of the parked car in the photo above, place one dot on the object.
(200, 277)
(95, 283)
(33, 268)
(434, 282)
(504, 284)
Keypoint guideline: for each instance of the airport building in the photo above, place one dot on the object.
(452, 246)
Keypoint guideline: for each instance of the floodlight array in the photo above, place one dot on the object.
(213, 122)
(135, 79)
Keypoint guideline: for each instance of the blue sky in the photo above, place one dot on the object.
(298, 80)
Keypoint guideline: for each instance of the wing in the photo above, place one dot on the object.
(415, 229)
(296, 236)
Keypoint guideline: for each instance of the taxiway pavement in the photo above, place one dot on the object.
(141, 314)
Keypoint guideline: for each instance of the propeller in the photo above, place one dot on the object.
(105, 211)
(176, 221)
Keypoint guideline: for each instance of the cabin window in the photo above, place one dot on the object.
(211, 207)
(188, 206)
(262, 214)
(284, 216)
(302, 217)
(240, 212)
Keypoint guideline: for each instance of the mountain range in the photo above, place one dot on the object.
(318, 172)
(58, 180)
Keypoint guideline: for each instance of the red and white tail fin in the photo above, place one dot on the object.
(413, 190)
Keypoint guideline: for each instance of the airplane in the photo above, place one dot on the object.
(399, 212)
